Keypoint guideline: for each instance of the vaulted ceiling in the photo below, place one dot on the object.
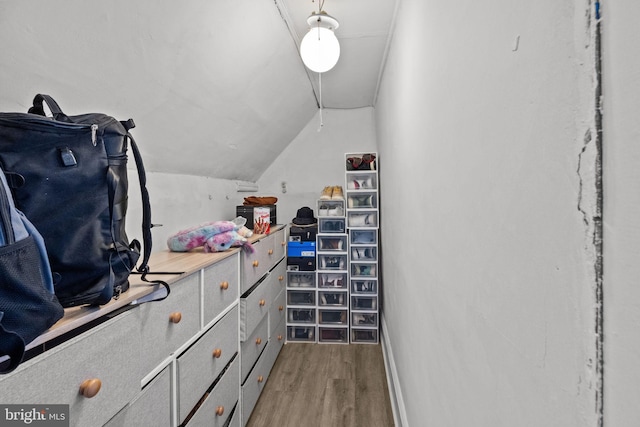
(216, 87)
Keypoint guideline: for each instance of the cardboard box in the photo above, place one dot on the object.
(301, 249)
(266, 212)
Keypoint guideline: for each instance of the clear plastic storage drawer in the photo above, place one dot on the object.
(364, 253)
(363, 302)
(331, 225)
(336, 317)
(362, 200)
(332, 243)
(301, 333)
(333, 335)
(301, 279)
(362, 219)
(364, 319)
(301, 298)
(332, 280)
(337, 299)
(301, 315)
(332, 262)
(364, 287)
(364, 335)
(363, 270)
(361, 181)
(363, 237)
(330, 208)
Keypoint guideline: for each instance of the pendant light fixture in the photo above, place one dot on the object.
(320, 48)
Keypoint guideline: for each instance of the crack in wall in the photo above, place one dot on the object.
(590, 202)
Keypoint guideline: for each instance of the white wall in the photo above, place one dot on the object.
(179, 202)
(621, 88)
(315, 159)
(487, 205)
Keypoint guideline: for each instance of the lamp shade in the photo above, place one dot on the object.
(320, 48)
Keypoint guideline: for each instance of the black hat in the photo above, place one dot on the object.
(304, 216)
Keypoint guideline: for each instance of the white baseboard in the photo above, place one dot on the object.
(395, 392)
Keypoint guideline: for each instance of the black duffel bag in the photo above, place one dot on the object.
(68, 174)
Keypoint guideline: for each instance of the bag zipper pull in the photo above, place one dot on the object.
(94, 134)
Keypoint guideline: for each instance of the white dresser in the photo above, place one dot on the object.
(199, 357)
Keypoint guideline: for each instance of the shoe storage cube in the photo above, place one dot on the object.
(362, 200)
(364, 335)
(364, 253)
(361, 180)
(363, 270)
(364, 319)
(363, 237)
(331, 225)
(301, 279)
(335, 317)
(332, 280)
(329, 208)
(328, 298)
(301, 315)
(364, 287)
(301, 297)
(332, 262)
(333, 335)
(332, 243)
(362, 302)
(301, 333)
(362, 219)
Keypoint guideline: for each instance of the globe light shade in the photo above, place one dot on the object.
(320, 48)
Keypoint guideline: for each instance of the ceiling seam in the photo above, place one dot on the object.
(284, 14)
(385, 54)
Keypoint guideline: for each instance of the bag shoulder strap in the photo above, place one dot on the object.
(143, 268)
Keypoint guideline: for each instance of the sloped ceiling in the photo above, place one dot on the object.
(216, 87)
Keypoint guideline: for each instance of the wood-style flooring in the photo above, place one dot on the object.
(325, 385)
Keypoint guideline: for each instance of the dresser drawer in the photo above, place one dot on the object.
(277, 339)
(219, 403)
(254, 265)
(151, 408)
(168, 324)
(109, 352)
(278, 279)
(251, 349)
(235, 418)
(251, 390)
(277, 244)
(199, 366)
(254, 308)
(256, 380)
(221, 287)
(277, 312)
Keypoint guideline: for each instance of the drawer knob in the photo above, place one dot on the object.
(280, 308)
(283, 244)
(90, 388)
(281, 278)
(175, 317)
(258, 341)
(279, 337)
(270, 251)
(256, 263)
(224, 285)
(219, 410)
(262, 303)
(260, 378)
(217, 353)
